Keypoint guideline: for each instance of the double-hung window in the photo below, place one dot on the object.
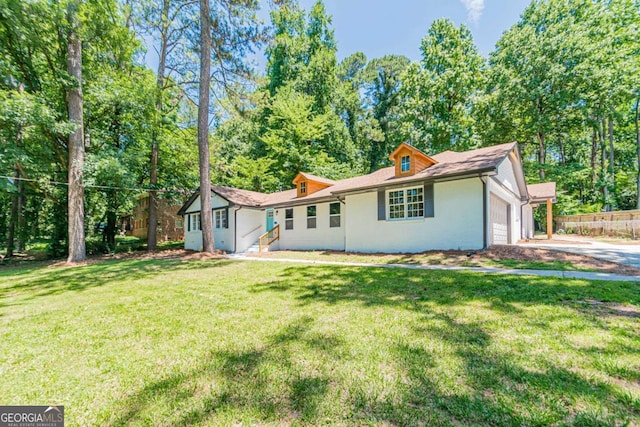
(195, 222)
(311, 216)
(396, 204)
(405, 204)
(303, 187)
(221, 218)
(405, 164)
(334, 214)
(415, 203)
(288, 219)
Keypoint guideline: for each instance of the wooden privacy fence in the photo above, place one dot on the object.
(617, 223)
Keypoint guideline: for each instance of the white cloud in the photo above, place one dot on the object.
(474, 9)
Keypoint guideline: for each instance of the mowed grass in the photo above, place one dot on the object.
(218, 342)
(427, 258)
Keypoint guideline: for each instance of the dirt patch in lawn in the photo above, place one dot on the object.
(139, 255)
(608, 309)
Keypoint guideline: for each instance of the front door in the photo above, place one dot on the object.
(269, 219)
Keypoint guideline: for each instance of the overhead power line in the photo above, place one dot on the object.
(102, 187)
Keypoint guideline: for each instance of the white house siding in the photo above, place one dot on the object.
(251, 225)
(505, 187)
(223, 237)
(457, 222)
(506, 175)
(303, 238)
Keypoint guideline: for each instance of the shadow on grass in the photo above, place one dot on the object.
(381, 286)
(29, 284)
(273, 382)
(266, 382)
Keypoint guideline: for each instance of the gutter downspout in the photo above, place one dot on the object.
(343, 200)
(485, 236)
(235, 228)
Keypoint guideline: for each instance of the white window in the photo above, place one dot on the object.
(405, 204)
(311, 216)
(405, 163)
(221, 218)
(288, 219)
(334, 214)
(415, 203)
(195, 222)
(303, 187)
(396, 204)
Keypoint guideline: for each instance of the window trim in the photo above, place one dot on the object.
(312, 219)
(408, 164)
(288, 221)
(194, 220)
(303, 187)
(220, 219)
(334, 215)
(405, 203)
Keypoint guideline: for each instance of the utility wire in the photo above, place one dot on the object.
(103, 187)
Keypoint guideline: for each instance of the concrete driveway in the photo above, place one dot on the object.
(622, 254)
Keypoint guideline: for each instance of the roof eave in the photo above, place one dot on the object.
(448, 177)
(299, 201)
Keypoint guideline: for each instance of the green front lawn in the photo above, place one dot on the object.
(218, 342)
(442, 258)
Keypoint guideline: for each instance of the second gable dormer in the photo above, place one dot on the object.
(409, 160)
(307, 184)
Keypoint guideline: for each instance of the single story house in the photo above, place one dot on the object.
(452, 200)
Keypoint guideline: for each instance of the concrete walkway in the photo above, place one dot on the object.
(585, 275)
(621, 254)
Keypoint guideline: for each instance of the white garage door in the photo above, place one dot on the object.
(499, 221)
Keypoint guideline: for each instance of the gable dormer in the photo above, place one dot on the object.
(307, 184)
(409, 160)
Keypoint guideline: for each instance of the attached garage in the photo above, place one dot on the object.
(500, 221)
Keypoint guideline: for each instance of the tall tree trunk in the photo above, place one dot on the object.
(637, 122)
(206, 217)
(16, 198)
(22, 220)
(562, 153)
(152, 239)
(612, 171)
(594, 155)
(77, 251)
(13, 219)
(603, 165)
(542, 153)
(22, 229)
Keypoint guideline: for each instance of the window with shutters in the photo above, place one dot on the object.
(405, 204)
(195, 222)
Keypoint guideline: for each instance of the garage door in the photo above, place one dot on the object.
(499, 221)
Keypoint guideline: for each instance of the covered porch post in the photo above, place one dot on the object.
(543, 193)
(549, 219)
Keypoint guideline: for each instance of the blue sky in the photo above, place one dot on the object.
(384, 27)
